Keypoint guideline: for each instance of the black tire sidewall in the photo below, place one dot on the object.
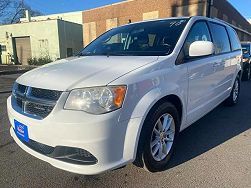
(150, 163)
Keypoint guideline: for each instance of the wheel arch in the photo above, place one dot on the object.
(136, 130)
(173, 99)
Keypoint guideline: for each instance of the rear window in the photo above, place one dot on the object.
(235, 42)
(220, 38)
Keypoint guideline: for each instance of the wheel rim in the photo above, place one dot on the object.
(236, 90)
(162, 137)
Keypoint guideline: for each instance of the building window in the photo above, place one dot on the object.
(150, 15)
(225, 17)
(3, 48)
(111, 23)
(89, 32)
(69, 52)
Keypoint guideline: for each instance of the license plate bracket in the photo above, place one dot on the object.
(21, 131)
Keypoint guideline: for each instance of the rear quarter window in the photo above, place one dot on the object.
(220, 38)
(234, 39)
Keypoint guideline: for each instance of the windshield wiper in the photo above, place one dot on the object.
(114, 54)
(85, 54)
(103, 54)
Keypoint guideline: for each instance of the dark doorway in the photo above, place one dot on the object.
(69, 52)
(23, 49)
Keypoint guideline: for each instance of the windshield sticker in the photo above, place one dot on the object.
(176, 23)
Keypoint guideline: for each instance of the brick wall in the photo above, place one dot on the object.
(99, 20)
(118, 14)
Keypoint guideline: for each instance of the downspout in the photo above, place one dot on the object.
(209, 5)
(16, 61)
(0, 54)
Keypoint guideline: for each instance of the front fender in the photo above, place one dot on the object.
(135, 124)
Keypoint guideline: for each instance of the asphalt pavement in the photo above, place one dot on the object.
(6, 82)
(213, 152)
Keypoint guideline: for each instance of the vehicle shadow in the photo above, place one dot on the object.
(217, 127)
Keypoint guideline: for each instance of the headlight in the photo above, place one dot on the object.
(96, 100)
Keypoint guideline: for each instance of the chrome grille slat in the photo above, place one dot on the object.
(34, 102)
(49, 95)
(40, 101)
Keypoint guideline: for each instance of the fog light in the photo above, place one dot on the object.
(73, 155)
(63, 153)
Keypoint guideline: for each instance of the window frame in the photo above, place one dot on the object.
(178, 59)
(229, 30)
(191, 59)
(222, 53)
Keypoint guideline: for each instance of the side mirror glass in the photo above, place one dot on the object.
(201, 48)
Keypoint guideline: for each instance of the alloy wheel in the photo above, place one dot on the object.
(236, 90)
(162, 137)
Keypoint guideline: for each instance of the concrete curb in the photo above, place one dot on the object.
(13, 72)
(15, 69)
(5, 92)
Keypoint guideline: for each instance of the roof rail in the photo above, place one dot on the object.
(233, 26)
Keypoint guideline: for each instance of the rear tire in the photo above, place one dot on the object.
(235, 93)
(158, 138)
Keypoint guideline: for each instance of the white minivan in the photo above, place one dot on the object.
(127, 95)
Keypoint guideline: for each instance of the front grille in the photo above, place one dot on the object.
(45, 94)
(38, 109)
(34, 102)
(21, 88)
(19, 102)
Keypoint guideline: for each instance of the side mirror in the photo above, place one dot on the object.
(201, 48)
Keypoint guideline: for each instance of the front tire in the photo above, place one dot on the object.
(235, 93)
(158, 137)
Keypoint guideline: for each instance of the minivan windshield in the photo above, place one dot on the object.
(153, 38)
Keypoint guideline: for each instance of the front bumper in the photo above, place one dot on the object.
(103, 136)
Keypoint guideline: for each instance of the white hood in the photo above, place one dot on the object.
(79, 72)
